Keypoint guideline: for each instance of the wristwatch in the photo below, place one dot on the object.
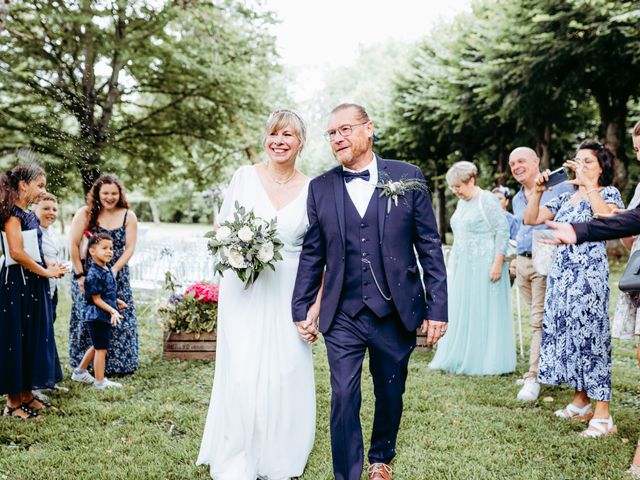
(78, 275)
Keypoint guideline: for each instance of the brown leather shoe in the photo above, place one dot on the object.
(380, 471)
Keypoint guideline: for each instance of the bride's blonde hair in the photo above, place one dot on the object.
(284, 118)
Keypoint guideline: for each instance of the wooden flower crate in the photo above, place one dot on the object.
(189, 346)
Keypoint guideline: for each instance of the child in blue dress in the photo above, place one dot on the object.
(27, 347)
(102, 312)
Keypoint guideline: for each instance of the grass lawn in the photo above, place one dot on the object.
(453, 427)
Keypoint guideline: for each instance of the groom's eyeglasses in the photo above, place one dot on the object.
(343, 130)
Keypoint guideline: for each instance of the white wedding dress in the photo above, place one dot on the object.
(262, 415)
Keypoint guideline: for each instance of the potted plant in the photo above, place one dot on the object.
(189, 321)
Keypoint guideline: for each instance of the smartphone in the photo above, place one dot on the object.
(557, 176)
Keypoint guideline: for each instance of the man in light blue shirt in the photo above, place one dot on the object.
(525, 168)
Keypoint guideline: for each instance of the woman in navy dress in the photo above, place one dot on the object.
(27, 347)
(107, 211)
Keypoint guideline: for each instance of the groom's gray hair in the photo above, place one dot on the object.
(362, 113)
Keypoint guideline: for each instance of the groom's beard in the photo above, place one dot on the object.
(353, 155)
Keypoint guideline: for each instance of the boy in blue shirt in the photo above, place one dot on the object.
(102, 312)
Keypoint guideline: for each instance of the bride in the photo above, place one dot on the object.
(261, 420)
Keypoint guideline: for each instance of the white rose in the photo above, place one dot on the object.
(393, 186)
(236, 260)
(265, 254)
(223, 233)
(245, 234)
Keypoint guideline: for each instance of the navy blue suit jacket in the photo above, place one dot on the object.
(409, 225)
(617, 226)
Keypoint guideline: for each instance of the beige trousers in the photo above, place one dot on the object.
(532, 287)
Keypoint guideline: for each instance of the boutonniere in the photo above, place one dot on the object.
(395, 189)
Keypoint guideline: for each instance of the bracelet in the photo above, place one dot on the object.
(78, 275)
(592, 190)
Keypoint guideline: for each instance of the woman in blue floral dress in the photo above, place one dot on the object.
(576, 342)
(107, 211)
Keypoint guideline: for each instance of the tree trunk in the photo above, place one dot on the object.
(542, 148)
(441, 209)
(155, 215)
(613, 117)
(89, 169)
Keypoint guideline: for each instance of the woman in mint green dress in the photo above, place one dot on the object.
(480, 339)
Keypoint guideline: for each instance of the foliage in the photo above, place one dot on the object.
(122, 85)
(541, 73)
(245, 245)
(194, 311)
(368, 81)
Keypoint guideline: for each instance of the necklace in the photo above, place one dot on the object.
(281, 182)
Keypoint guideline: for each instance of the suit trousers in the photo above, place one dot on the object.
(533, 287)
(390, 346)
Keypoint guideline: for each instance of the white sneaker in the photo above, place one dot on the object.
(40, 395)
(529, 391)
(106, 383)
(82, 377)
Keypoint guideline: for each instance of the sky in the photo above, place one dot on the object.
(315, 35)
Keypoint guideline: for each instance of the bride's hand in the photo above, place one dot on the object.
(304, 333)
(312, 318)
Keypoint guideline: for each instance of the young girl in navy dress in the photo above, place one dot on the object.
(102, 311)
(27, 347)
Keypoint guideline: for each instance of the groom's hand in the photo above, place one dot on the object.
(434, 329)
(306, 331)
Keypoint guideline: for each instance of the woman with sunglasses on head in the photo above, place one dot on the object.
(576, 343)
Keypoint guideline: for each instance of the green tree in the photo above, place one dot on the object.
(132, 85)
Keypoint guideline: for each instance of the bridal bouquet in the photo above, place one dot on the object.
(245, 245)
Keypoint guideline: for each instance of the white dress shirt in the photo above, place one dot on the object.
(361, 190)
(51, 250)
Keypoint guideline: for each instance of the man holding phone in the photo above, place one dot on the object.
(525, 168)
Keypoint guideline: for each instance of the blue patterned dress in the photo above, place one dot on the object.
(122, 355)
(28, 356)
(576, 344)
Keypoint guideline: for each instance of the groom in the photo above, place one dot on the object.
(373, 297)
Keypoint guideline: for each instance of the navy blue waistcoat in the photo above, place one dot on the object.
(363, 260)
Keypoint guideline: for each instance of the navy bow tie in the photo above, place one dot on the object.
(348, 176)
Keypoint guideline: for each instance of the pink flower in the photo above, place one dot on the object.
(204, 292)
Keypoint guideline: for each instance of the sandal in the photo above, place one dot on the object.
(571, 412)
(34, 399)
(11, 412)
(599, 427)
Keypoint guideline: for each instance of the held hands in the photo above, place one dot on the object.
(513, 268)
(434, 329)
(308, 328)
(121, 304)
(57, 270)
(116, 318)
